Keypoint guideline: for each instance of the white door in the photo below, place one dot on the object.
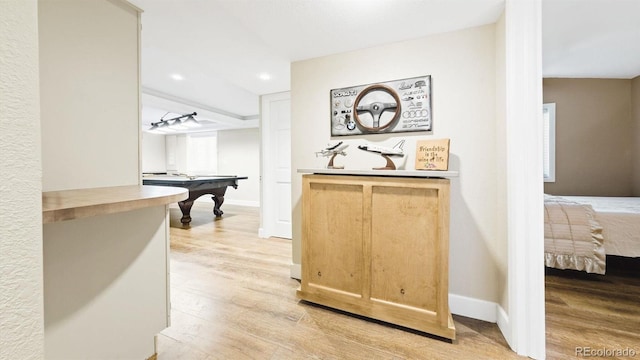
(275, 218)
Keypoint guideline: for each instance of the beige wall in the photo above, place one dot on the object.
(463, 69)
(594, 142)
(21, 284)
(90, 113)
(635, 101)
(239, 154)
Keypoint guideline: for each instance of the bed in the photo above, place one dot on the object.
(581, 230)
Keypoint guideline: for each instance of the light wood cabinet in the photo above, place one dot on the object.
(378, 247)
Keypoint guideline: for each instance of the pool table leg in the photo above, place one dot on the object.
(218, 200)
(185, 207)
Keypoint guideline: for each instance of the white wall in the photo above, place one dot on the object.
(154, 153)
(176, 153)
(95, 108)
(463, 69)
(21, 284)
(239, 154)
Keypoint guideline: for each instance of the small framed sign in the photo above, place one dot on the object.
(432, 154)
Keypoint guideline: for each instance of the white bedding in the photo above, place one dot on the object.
(620, 220)
(572, 236)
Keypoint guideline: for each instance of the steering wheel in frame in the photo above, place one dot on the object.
(376, 109)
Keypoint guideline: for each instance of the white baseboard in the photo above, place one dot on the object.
(473, 308)
(262, 233)
(482, 310)
(295, 271)
(206, 199)
(242, 202)
(503, 324)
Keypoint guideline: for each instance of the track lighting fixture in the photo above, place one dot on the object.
(167, 126)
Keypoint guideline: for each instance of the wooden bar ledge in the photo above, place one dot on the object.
(81, 203)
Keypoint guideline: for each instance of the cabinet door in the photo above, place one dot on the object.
(333, 257)
(404, 246)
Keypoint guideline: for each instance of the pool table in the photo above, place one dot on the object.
(215, 185)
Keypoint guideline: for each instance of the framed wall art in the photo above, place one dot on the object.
(389, 107)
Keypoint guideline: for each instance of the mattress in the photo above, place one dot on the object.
(620, 220)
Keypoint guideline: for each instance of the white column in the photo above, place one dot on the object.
(525, 226)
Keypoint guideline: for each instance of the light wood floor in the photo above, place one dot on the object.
(232, 298)
(588, 310)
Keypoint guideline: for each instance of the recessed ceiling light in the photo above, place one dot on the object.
(264, 76)
(177, 77)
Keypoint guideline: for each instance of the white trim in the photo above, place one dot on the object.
(206, 200)
(295, 271)
(473, 308)
(167, 255)
(251, 203)
(139, 35)
(140, 11)
(503, 323)
(262, 233)
(525, 329)
(551, 111)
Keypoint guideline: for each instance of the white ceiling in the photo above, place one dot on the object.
(591, 38)
(220, 47)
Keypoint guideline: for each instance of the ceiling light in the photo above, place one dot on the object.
(264, 76)
(178, 125)
(191, 122)
(181, 122)
(177, 77)
(165, 127)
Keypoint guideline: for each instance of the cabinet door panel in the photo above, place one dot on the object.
(404, 246)
(334, 236)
